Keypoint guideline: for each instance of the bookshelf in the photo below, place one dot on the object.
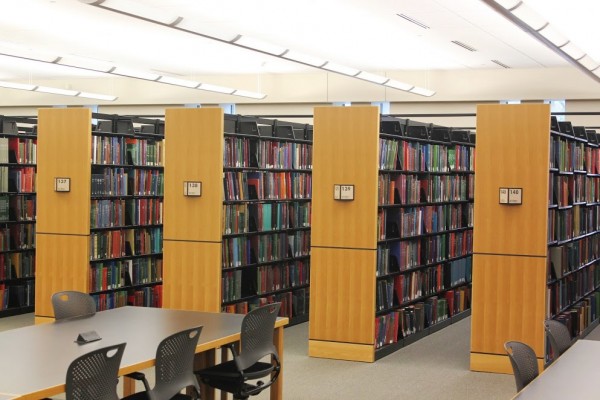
(102, 233)
(393, 264)
(252, 245)
(18, 157)
(537, 260)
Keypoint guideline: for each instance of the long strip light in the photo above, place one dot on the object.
(52, 90)
(534, 24)
(139, 11)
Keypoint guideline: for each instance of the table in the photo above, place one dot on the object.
(572, 376)
(35, 358)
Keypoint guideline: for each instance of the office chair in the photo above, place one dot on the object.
(72, 304)
(94, 375)
(256, 343)
(523, 361)
(559, 337)
(174, 369)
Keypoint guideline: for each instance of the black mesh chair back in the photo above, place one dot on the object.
(257, 335)
(70, 303)
(174, 369)
(559, 337)
(523, 361)
(94, 375)
(241, 375)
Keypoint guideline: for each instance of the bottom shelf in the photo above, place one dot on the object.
(297, 320)
(391, 348)
(9, 312)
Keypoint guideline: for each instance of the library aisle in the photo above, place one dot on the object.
(434, 368)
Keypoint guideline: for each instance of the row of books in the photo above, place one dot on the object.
(569, 290)
(266, 185)
(271, 278)
(581, 315)
(125, 242)
(592, 160)
(570, 223)
(242, 250)
(115, 150)
(262, 217)
(404, 255)
(293, 303)
(150, 296)
(400, 289)
(16, 296)
(566, 190)
(241, 152)
(413, 189)
(122, 212)
(414, 221)
(17, 208)
(136, 182)
(17, 265)
(22, 180)
(571, 256)
(425, 157)
(400, 324)
(17, 237)
(116, 274)
(18, 150)
(567, 155)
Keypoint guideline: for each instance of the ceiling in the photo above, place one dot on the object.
(367, 35)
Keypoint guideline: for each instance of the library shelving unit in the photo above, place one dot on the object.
(99, 225)
(537, 257)
(237, 197)
(18, 143)
(391, 262)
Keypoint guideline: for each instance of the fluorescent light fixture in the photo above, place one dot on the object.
(97, 96)
(588, 62)
(15, 85)
(554, 36)
(216, 88)
(529, 16)
(367, 76)
(27, 54)
(422, 91)
(134, 74)
(573, 51)
(51, 90)
(207, 29)
(508, 4)
(340, 69)
(178, 82)
(256, 44)
(398, 85)
(137, 9)
(252, 95)
(85, 63)
(303, 58)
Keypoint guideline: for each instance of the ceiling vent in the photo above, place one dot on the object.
(413, 21)
(500, 64)
(463, 45)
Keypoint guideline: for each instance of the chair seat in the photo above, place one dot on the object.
(144, 396)
(226, 377)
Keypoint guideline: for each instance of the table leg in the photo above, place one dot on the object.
(128, 386)
(201, 361)
(277, 387)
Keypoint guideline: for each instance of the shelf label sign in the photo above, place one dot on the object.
(513, 196)
(192, 189)
(62, 184)
(343, 192)
(503, 195)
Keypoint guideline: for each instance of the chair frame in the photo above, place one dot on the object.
(71, 303)
(559, 337)
(524, 363)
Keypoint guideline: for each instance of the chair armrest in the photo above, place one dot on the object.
(139, 376)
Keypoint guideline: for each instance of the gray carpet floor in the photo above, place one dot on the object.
(436, 367)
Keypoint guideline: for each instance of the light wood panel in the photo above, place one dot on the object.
(341, 351)
(509, 302)
(512, 151)
(62, 263)
(495, 363)
(346, 151)
(65, 135)
(342, 291)
(192, 275)
(193, 152)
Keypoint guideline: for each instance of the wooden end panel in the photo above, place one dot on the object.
(193, 152)
(513, 152)
(346, 151)
(342, 295)
(64, 151)
(192, 276)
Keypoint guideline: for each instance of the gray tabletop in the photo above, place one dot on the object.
(36, 357)
(573, 376)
